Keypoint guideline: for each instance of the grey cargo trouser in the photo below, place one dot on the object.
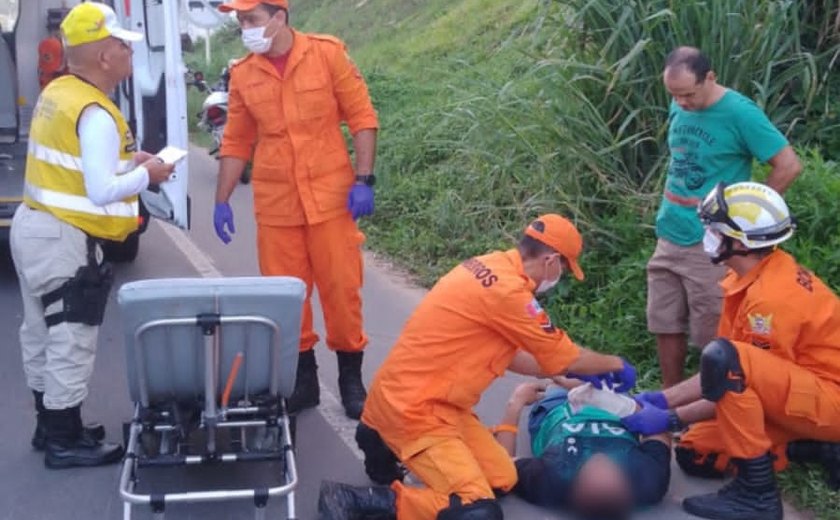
(57, 360)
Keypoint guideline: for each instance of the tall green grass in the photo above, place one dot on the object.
(494, 111)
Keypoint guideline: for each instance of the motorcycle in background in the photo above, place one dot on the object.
(213, 114)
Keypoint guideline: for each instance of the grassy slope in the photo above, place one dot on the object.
(432, 66)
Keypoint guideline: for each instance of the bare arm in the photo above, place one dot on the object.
(785, 169)
(701, 410)
(589, 362)
(230, 170)
(524, 395)
(684, 393)
(364, 145)
(507, 438)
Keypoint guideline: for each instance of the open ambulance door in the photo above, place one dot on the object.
(155, 100)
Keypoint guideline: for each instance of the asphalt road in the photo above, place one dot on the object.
(29, 491)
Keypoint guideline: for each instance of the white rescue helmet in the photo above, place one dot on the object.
(750, 212)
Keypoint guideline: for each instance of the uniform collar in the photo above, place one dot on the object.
(515, 259)
(733, 284)
(300, 46)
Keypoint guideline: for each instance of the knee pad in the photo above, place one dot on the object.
(720, 370)
(697, 465)
(485, 509)
(381, 465)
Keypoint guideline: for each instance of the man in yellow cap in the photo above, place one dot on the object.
(83, 177)
(477, 322)
(288, 101)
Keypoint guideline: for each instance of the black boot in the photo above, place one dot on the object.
(381, 465)
(338, 501)
(350, 384)
(826, 454)
(67, 447)
(753, 495)
(39, 439)
(307, 393)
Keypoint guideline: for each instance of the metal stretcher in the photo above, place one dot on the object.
(210, 363)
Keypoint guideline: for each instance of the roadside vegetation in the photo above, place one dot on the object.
(493, 112)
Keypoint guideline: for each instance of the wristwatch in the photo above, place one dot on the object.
(367, 180)
(675, 424)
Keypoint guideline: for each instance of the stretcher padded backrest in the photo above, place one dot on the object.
(8, 90)
(174, 357)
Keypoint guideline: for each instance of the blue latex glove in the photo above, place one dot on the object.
(650, 420)
(223, 215)
(625, 379)
(360, 201)
(656, 398)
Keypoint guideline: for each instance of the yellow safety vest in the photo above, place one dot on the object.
(54, 178)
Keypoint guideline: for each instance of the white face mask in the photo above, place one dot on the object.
(547, 285)
(712, 242)
(255, 40)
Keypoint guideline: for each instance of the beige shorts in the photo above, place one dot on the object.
(684, 293)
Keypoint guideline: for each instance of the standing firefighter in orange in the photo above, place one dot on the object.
(769, 386)
(288, 100)
(478, 321)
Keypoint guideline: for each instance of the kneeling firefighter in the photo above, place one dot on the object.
(478, 321)
(81, 186)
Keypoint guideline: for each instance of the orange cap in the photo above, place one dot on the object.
(561, 235)
(247, 5)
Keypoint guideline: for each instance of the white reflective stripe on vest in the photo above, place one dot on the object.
(68, 161)
(66, 201)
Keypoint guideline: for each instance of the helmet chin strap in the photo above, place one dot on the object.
(729, 251)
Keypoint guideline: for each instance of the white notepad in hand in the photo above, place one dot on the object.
(171, 154)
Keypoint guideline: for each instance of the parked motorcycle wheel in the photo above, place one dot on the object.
(246, 174)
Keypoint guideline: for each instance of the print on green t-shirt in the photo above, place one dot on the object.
(708, 146)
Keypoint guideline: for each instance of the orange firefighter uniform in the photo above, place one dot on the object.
(464, 334)
(785, 324)
(302, 173)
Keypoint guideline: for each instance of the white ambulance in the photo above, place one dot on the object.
(153, 99)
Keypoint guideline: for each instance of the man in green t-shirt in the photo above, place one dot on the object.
(713, 136)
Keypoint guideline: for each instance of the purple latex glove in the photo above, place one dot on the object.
(360, 201)
(625, 379)
(223, 216)
(655, 398)
(650, 420)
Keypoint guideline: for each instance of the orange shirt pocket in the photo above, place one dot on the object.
(332, 178)
(265, 103)
(314, 98)
(274, 194)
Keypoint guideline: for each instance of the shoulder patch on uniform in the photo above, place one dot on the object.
(761, 323)
(533, 308)
(535, 311)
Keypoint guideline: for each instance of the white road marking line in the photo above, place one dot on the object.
(202, 263)
(330, 408)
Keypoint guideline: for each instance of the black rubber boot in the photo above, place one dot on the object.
(307, 393)
(338, 501)
(752, 495)
(67, 447)
(826, 454)
(350, 384)
(39, 439)
(381, 465)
